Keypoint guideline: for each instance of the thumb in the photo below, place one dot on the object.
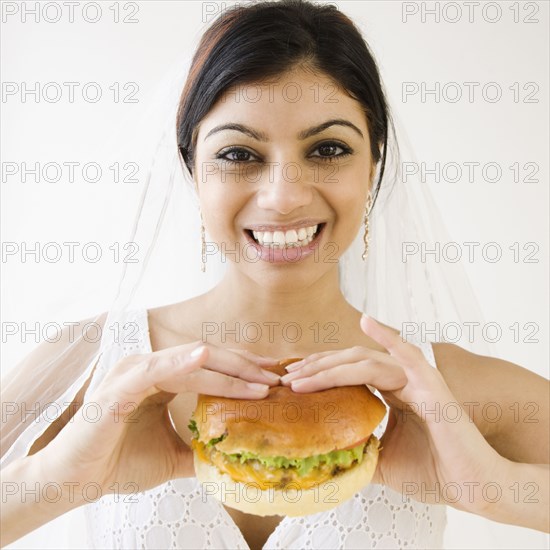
(382, 334)
(364, 324)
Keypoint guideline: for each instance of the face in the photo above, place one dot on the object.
(274, 162)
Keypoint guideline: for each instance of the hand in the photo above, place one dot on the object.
(130, 444)
(422, 450)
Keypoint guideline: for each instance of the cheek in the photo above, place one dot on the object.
(349, 207)
(219, 211)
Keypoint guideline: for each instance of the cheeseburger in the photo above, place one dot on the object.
(287, 454)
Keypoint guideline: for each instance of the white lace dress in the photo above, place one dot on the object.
(178, 514)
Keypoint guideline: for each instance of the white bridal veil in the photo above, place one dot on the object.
(163, 265)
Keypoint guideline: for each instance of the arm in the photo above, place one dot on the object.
(41, 377)
(524, 497)
(132, 446)
(424, 454)
(23, 507)
(509, 405)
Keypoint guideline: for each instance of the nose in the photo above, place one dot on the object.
(285, 188)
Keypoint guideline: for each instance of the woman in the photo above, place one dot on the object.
(252, 110)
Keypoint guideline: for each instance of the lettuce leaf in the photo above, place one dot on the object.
(193, 428)
(341, 458)
(195, 431)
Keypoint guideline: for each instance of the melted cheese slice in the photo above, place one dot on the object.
(263, 478)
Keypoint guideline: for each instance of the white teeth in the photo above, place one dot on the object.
(279, 238)
(290, 238)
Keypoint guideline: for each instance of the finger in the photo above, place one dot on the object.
(381, 375)
(136, 377)
(241, 363)
(260, 359)
(219, 384)
(235, 364)
(296, 365)
(333, 359)
(406, 353)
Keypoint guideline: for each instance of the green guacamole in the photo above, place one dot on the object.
(343, 458)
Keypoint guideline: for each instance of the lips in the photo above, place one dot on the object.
(301, 236)
(285, 246)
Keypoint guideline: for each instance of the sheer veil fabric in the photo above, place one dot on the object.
(393, 285)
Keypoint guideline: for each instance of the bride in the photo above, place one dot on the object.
(283, 128)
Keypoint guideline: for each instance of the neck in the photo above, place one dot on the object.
(318, 308)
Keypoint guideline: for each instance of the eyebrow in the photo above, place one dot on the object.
(304, 134)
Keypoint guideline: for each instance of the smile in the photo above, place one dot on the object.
(272, 246)
(290, 238)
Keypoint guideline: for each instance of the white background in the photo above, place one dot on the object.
(415, 51)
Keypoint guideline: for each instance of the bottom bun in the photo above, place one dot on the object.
(291, 501)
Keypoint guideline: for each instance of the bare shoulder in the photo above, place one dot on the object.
(457, 364)
(508, 403)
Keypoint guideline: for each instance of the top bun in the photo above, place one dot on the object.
(285, 423)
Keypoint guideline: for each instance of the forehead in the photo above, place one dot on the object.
(292, 101)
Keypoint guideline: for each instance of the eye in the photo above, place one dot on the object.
(329, 151)
(235, 155)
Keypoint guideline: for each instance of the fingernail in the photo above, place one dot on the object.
(271, 375)
(295, 366)
(268, 359)
(197, 351)
(257, 387)
(288, 377)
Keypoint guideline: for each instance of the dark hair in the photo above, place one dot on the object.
(262, 40)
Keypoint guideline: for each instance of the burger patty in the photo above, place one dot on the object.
(253, 471)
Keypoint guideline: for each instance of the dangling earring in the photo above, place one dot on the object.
(366, 223)
(203, 246)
